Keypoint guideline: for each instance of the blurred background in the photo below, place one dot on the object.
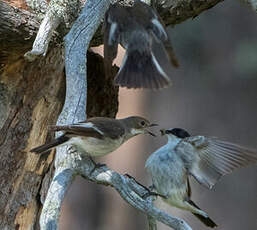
(214, 93)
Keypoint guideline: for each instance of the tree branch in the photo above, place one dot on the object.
(132, 192)
(58, 11)
(17, 28)
(129, 190)
(176, 11)
(172, 12)
(76, 45)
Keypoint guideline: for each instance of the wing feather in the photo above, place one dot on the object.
(111, 39)
(78, 130)
(97, 127)
(208, 159)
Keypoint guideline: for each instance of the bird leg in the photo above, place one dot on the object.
(149, 192)
(96, 165)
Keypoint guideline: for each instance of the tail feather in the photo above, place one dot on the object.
(141, 70)
(205, 220)
(46, 147)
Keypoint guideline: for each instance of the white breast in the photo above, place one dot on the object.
(95, 147)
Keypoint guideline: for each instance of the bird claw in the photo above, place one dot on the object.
(131, 177)
(96, 165)
(149, 192)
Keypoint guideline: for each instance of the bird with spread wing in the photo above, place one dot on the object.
(207, 159)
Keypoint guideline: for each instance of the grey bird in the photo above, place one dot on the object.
(149, 54)
(97, 136)
(207, 159)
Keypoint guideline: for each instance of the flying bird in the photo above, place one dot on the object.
(149, 54)
(97, 136)
(207, 159)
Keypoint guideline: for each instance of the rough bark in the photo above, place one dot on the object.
(176, 11)
(31, 98)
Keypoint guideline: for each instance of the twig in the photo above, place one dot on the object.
(58, 11)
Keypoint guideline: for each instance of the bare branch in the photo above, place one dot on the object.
(132, 192)
(56, 192)
(129, 189)
(43, 38)
(76, 45)
(57, 12)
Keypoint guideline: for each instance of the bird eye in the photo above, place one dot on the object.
(142, 123)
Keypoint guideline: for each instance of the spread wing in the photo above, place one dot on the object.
(207, 159)
(148, 18)
(152, 22)
(111, 28)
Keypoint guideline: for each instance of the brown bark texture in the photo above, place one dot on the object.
(31, 98)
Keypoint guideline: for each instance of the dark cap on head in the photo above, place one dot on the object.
(181, 133)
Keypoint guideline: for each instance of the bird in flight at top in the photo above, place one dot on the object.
(149, 54)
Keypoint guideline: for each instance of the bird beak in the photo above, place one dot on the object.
(151, 125)
(163, 131)
(152, 134)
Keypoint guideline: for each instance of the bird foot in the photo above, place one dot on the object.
(149, 192)
(96, 165)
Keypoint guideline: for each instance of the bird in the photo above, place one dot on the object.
(97, 136)
(149, 53)
(206, 159)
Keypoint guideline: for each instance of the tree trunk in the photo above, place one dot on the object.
(31, 98)
(32, 95)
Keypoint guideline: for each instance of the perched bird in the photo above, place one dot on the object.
(206, 159)
(98, 136)
(139, 30)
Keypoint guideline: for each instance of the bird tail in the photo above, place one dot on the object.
(205, 220)
(140, 69)
(46, 147)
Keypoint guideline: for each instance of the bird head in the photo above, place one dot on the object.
(178, 132)
(138, 125)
